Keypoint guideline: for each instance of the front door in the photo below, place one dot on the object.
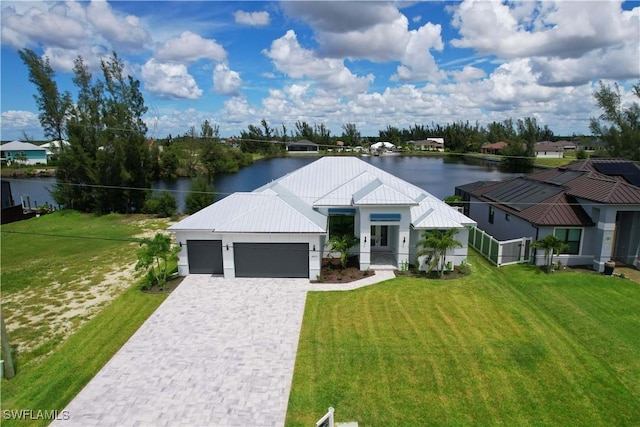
(379, 237)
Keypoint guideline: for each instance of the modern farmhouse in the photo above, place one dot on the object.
(281, 228)
(592, 205)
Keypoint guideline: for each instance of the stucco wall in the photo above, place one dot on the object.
(399, 238)
(315, 257)
(501, 229)
(456, 255)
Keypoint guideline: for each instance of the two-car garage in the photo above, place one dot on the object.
(250, 259)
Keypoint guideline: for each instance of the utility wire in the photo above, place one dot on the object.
(185, 244)
(220, 193)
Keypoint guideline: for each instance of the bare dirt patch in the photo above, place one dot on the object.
(50, 314)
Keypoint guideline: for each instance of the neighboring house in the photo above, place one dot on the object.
(53, 148)
(494, 148)
(548, 149)
(382, 146)
(302, 146)
(464, 191)
(567, 145)
(22, 152)
(593, 205)
(281, 229)
(431, 144)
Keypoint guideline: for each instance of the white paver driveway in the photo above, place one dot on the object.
(216, 353)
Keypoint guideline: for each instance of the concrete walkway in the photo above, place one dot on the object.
(216, 353)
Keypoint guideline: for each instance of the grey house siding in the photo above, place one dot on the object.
(501, 229)
(585, 257)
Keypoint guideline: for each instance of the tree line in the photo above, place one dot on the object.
(109, 158)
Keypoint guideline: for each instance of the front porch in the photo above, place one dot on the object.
(383, 260)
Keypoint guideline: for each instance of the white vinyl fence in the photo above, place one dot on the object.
(500, 253)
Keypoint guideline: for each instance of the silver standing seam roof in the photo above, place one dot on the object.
(290, 204)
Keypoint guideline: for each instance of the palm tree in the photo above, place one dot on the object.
(341, 245)
(435, 245)
(551, 244)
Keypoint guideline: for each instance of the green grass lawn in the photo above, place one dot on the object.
(509, 346)
(63, 320)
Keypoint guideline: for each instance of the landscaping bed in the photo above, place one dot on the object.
(333, 272)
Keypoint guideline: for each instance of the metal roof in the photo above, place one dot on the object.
(254, 213)
(20, 146)
(376, 193)
(288, 204)
(550, 197)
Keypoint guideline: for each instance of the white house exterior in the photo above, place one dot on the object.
(281, 229)
(547, 149)
(382, 146)
(54, 147)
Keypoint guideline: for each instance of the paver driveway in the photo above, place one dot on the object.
(217, 353)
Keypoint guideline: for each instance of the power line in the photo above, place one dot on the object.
(311, 198)
(185, 244)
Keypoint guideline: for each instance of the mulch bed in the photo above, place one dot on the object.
(332, 272)
(448, 275)
(168, 287)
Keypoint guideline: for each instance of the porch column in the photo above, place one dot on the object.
(365, 246)
(402, 254)
(604, 236)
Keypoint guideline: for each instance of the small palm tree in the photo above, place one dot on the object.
(435, 245)
(342, 245)
(551, 244)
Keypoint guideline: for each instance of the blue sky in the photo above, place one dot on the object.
(332, 62)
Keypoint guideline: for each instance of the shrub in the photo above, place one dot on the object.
(200, 195)
(162, 204)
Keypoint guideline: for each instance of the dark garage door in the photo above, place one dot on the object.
(205, 256)
(271, 259)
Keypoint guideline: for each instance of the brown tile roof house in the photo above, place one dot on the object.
(598, 197)
(494, 148)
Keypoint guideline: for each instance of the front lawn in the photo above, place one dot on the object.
(510, 346)
(69, 301)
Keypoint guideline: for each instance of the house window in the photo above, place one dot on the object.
(492, 214)
(339, 225)
(570, 236)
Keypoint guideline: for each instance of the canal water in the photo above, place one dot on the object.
(437, 175)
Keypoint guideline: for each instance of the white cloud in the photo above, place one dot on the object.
(190, 47)
(36, 26)
(542, 29)
(299, 63)
(169, 80)
(418, 63)
(63, 59)
(569, 42)
(378, 32)
(468, 73)
(254, 19)
(124, 32)
(15, 122)
(596, 64)
(226, 81)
